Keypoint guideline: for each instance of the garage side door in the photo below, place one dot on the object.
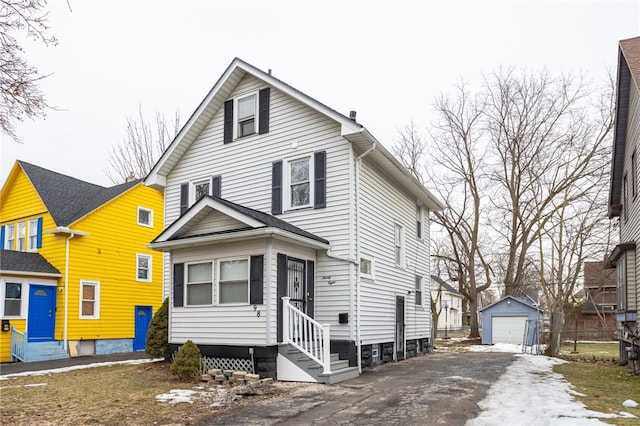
(507, 329)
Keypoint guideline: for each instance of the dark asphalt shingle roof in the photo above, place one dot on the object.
(25, 262)
(68, 199)
(265, 218)
(444, 284)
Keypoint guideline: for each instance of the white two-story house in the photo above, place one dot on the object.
(297, 246)
(624, 199)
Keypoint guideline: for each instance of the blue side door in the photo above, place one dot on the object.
(143, 318)
(41, 321)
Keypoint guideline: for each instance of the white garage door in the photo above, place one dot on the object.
(507, 329)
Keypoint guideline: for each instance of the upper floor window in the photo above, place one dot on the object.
(12, 299)
(233, 281)
(419, 220)
(621, 290)
(300, 176)
(200, 189)
(419, 290)
(246, 115)
(192, 192)
(634, 175)
(89, 300)
(33, 234)
(625, 197)
(399, 244)
(9, 237)
(21, 241)
(199, 284)
(143, 267)
(366, 266)
(145, 217)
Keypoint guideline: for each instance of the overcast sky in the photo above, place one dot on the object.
(387, 60)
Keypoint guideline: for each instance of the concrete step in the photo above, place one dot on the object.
(338, 376)
(44, 351)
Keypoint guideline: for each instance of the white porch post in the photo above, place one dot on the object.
(326, 348)
(285, 319)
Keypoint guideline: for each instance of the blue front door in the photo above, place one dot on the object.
(143, 318)
(41, 321)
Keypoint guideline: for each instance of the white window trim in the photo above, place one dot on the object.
(421, 289)
(187, 283)
(22, 226)
(23, 299)
(192, 188)
(10, 237)
(287, 182)
(148, 225)
(96, 307)
(402, 245)
(32, 226)
(218, 262)
(150, 269)
(371, 259)
(256, 114)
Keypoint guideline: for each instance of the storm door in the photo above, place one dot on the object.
(295, 280)
(399, 327)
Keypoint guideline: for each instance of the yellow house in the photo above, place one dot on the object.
(76, 276)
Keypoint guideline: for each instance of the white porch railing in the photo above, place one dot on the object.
(18, 344)
(308, 336)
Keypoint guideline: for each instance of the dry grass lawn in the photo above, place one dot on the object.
(604, 386)
(120, 394)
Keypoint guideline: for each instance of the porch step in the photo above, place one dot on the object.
(44, 351)
(340, 370)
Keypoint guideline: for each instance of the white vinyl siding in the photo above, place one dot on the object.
(383, 205)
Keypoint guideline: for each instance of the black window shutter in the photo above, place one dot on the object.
(216, 186)
(184, 197)
(276, 187)
(263, 110)
(310, 287)
(320, 173)
(228, 121)
(178, 284)
(256, 280)
(282, 289)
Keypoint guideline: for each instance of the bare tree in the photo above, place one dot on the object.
(458, 180)
(143, 145)
(20, 93)
(551, 153)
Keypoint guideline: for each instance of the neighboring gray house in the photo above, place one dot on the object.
(270, 194)
(511, 320)
(624, 202)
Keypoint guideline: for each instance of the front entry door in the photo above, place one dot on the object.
(142, 320)
(295, 280)
(399, 327)
(42, 313)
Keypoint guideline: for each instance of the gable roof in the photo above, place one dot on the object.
(444, 285)
(524, 301)
(26, 263)
(256, 224)
(628, 76)
(361, 139)
(68, 199)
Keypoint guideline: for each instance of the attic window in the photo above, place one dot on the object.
(246, 117)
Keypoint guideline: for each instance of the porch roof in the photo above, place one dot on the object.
(255, 224)
(27, 264)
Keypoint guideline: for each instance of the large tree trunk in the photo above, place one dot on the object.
(473, 318)
(557, 322)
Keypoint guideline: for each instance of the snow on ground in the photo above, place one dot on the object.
(530, 393)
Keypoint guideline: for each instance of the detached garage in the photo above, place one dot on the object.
(510, 320)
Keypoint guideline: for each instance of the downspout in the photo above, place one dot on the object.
(357, 203)
(66, 292)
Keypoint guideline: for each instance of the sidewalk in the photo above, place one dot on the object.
(21, 367)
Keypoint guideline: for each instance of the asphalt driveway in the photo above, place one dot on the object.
(439, 388)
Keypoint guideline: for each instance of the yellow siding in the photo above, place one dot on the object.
(108, 256)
